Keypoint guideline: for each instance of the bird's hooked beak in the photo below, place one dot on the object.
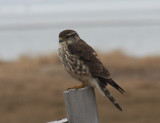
(60, 40)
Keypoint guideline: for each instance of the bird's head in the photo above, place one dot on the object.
(68, 36)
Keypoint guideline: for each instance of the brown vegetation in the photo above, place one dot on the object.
(31, 89)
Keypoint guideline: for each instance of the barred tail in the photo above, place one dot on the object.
(113, 84)
(106, 93)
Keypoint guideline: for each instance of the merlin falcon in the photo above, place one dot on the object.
(82, 63)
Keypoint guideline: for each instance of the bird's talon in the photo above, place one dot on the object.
(77, 87)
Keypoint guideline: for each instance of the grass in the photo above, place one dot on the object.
(31, 89)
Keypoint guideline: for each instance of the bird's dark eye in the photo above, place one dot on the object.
(70, 35)
(67, 36)
(73, 35)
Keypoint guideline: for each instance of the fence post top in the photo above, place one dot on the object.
(81, 89)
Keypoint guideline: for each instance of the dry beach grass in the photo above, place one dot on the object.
(31, 89)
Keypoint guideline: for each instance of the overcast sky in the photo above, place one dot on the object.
(12, 2)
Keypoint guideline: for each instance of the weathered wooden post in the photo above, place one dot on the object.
(81, 105)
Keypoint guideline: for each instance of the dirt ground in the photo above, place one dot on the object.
(31, 89)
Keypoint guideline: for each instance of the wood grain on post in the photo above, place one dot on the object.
(81, 105)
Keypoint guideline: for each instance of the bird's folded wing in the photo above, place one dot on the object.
(89, 57)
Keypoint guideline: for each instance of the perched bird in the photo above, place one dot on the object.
(82, 63)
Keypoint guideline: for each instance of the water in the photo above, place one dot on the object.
(138, 41)
(33, 28)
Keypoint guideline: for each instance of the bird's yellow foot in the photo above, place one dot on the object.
(77, 87)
